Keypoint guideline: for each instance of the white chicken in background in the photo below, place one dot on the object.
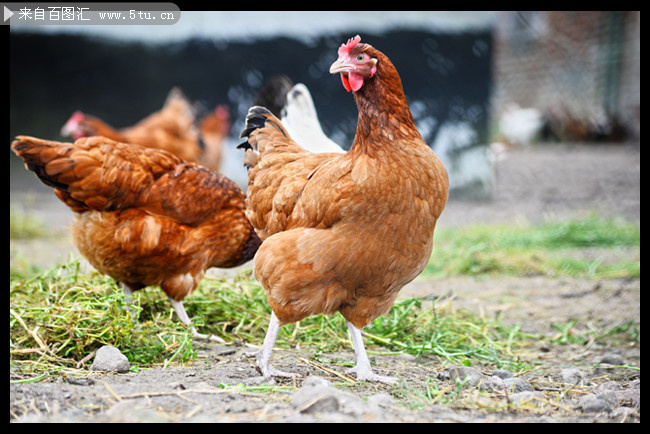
(301, 121)
(520, 126)
(517, 127)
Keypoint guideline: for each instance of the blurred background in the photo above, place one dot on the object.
(491, 92)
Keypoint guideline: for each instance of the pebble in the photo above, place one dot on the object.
(631, 396)
(597, 403)
(609, 358)
(511, 384)
(492, 383)
(110, 359)
(516, 385)
(502, 373)
(573, 376)
(471, 376)
(318, 395)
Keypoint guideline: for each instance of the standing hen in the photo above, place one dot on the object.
(144, 216)
(343, 232)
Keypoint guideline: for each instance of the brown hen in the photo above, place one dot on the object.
(144, 216)
(343, 232)
(173, 128)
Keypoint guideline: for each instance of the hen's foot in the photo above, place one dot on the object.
(367, 375)
(211, 338)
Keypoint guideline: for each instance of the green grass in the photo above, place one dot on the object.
(592, 247)
(61, 315)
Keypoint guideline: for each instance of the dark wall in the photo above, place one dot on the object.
(445, 75)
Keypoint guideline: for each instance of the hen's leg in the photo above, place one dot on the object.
(182, 315)
(128, 296)
(362, 367)
(263, 357)
(128, 293)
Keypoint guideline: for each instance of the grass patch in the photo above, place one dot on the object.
(236, 308)
(573, 333)
(61, 315)
(575, 248)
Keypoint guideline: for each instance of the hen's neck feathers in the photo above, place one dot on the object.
(384, 115)
(101, 128)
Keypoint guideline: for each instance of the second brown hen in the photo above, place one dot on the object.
(144, 216)
(173, 128)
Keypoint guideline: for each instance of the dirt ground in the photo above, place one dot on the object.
(532, 184)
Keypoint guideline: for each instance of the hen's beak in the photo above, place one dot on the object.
(340, 66)
(72, 125)
(68, 128)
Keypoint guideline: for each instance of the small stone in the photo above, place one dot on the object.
(606, 363)
(313, 381)
(502, 373)
(492, 383)
(110, 359)
(597, 403)
(609, 358)
(573, 376)
(631, 397)
(318, 395)
(470, 376)
(516, 385)
(511, 384)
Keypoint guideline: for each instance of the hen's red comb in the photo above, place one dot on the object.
(77, 116)
(344, 49)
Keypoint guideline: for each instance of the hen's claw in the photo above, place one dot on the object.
(269, 371)
(364, 374)
(182, 315)
(211, 338)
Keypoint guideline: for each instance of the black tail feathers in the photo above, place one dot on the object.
(254, 120)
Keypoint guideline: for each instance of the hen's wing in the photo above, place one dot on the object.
(100, 174)
(279, 171)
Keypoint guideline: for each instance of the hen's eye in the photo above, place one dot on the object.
(361, 58)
